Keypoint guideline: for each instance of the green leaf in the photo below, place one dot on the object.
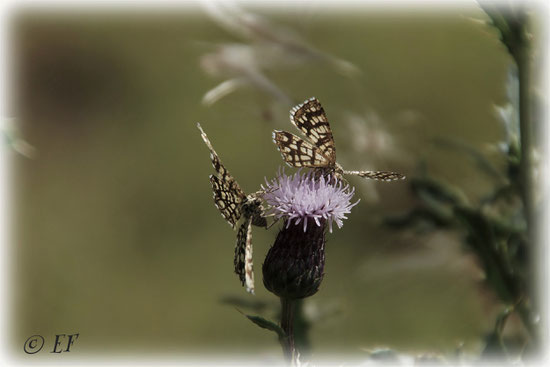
(484, 165)
(266, 324)
(494, 341)
(439, 190)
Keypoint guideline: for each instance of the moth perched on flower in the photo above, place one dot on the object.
(236, 207)
(318, 151)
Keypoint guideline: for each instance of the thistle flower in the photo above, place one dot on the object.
(294, 265)
(302, 198)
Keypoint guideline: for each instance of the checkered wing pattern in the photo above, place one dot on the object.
(221, 171)
(227, 200)
(318, 150)
(297, 152)
(228, 196)
(311, 119)
(243, 255)
(377, 175)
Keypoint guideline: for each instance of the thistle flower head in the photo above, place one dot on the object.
(303, 197)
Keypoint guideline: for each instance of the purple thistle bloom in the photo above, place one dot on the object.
(294, 265)
(301, 197)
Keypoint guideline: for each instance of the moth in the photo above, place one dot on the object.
(239, 210)
(317, 150)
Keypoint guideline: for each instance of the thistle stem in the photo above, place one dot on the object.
(527, 121)
(287, 324)
(521, 52)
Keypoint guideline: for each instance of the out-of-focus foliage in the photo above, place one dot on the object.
(12, 138)
(268, 46)
(499, 227)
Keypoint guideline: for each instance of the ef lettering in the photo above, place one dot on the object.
(62, 340)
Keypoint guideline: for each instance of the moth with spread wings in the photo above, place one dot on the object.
(318, 150)
(235, 206)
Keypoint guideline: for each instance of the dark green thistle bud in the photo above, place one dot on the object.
(294, 266)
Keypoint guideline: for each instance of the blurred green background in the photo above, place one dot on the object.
(115, 233)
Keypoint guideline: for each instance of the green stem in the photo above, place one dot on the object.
(526, 165)
(522, 56)
(301, 330)
(287, 324)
